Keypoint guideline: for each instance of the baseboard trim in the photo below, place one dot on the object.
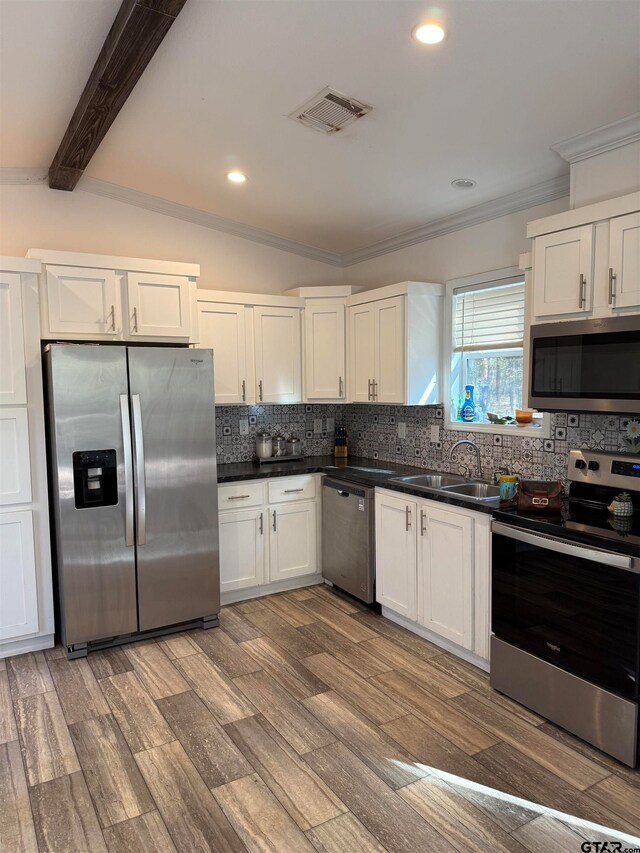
(447, 645)
(31, 644)
(269, 588)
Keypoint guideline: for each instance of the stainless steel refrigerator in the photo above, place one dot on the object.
(132, 455)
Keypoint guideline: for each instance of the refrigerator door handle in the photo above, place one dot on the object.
(138, 447)
(128, 470)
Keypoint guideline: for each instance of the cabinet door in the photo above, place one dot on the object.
(396, 579)
(13, 389)
(562, 270)
(390, 348)
(241, 549)
(18, 591)
(446, 574)
(82, 302)
(15, 468)
(293, 538)
(159, 306)
(278, 354)
(361, 352)
(624, 261)
(324, 324)
(223, 329)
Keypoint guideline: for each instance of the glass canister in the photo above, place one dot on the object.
(279, 445)
(294, 446)
(264, 445)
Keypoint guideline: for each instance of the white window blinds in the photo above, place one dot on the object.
(487, 318)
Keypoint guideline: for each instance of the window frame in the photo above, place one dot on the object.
(491, 277)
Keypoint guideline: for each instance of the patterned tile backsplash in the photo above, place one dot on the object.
(373, 433)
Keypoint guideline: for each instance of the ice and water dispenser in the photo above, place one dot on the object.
(95, 478)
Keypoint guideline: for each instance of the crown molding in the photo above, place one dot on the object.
(605, 138)
(19, 177)
(205, 219)
(512, 203)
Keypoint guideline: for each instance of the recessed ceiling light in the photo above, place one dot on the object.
(236, 177)
(429, 33)
(463, 183)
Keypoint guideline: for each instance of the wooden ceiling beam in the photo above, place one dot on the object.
(134, 37)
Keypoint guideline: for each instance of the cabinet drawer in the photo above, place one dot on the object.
(240, 495)
(301, 488)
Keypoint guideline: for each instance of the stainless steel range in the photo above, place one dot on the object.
(566, 607)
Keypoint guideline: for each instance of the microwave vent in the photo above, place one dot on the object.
(329, 111)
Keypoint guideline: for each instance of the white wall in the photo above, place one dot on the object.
(35, 216)
(488, 246)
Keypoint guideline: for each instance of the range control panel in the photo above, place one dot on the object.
(95, 478)
(602, 468)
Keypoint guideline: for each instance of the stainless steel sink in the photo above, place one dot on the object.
(475, 491)
(429, 481)
(360, 469)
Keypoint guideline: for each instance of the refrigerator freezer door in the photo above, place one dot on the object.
(96, 568)
(174, 442)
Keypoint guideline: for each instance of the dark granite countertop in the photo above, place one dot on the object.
(379, 474)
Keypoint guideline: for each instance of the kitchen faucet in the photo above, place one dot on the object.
(475, 447)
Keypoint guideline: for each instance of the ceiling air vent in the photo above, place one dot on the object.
(329, 111)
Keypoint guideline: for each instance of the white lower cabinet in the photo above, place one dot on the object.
(18, 588)
(242, 551)
(396, 558)
(432, 568)
(274, 542)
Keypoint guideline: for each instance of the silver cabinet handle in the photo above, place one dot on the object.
(275, 527)
(369, 385)
(261, 524)
(407, 518)
(612, 288)
(375, 389)
(291, 491)
(113, 318)
(561, 546)
(138, 455)
(237, 497)
(135, 320)
(128, 470)
(244, 391)
(582, 299)
(340, 386)
(423, 517)
(260, 390)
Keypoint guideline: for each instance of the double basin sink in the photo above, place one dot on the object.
(449, 484)
(446, 484)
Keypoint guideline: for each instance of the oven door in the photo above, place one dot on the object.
(574, 606)
(586, 365)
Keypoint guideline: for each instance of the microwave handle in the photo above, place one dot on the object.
(549, 543)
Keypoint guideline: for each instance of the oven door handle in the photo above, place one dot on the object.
(562, 546)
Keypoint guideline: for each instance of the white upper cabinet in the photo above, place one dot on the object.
(13, 389)
(390, 351)
(324, 350)
(158, 306)
(624, 261)
(81, 301)
(361, 352)
(563, 265)
(396, 559)
(394, 344)
(446, 573)
(15, 470)
(223, 328)
(278, 355)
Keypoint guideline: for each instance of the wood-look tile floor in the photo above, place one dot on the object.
(305, 722)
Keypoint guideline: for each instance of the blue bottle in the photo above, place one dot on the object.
(468, 410)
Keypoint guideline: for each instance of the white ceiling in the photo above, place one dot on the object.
(512, 78)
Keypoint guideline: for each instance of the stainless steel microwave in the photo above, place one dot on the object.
(586, 365)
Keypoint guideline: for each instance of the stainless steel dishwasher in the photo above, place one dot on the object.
(348, 537)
